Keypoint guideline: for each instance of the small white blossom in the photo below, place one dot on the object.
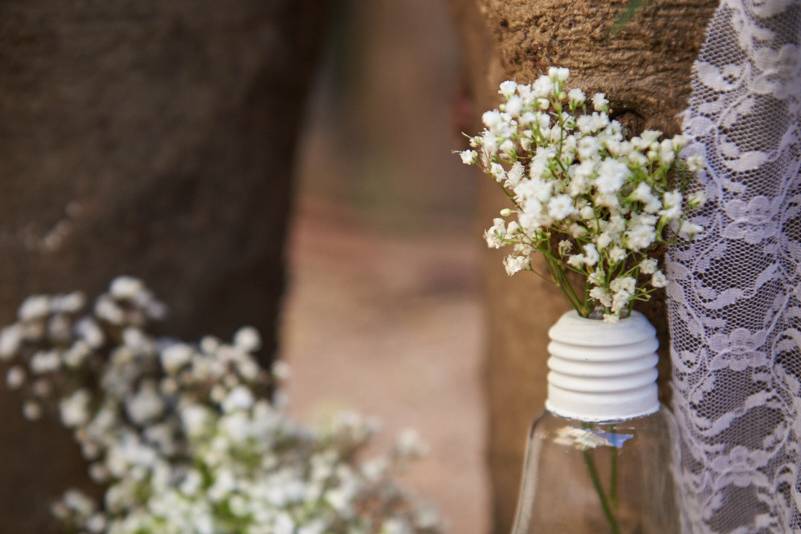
(697, 199)
(576, 97)
(247, 339)
(672, 205)
(576, 261)
(75, 409)
(599, 102)
(695, 163)
(560, 207)
(126, 288)
(601, 295)
(648, 266)
(658, 279)
(491, 119)
(33, 308)
(590, 255)
(15, 377)
(10, 340)
(611, 318)
(515, 175)
(174, 357)
(469, 157)
(508, 88)
(611, 175)
(689, 230)
(514, 264)
(32, 411)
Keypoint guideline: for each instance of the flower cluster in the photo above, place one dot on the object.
(183, 438)
(592, 201)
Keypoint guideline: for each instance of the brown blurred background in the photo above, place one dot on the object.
(382, 314)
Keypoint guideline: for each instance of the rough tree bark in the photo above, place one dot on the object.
(147, 138)
(644, 69)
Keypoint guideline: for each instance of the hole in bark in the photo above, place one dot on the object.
(631, 120)
(504, 23)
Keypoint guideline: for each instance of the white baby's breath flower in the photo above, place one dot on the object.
(515, 175)
(34, 307)
(697, 199)
(611, 175)
(514, 264)
(469, 157)
(617, 254)
(495, 235)
(10, 341)
(514, 105)
(498, 172)
(576, 261)
(508, 88)
(672, 205)
(126, 288)
(658, 279)
(45, 362)
(174, 357)
(689, 230)
(247, 339)
(564, 247)
(560, 207)
(601, 295)
(648, 266)
(32, 411)
(410, 444)
(599, 102)
(75, 409)
(240, 398)
(590, 255)
(542, 87)
(587, 181)
(145, 405)
(560, 74)
(15, 377)
(695, 163)
(491, 119)
(576, 97)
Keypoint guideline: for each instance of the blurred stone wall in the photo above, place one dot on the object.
(147, 138)
(644, 69)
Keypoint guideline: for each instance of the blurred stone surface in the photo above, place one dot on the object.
(396, 335)
(644, 69)
(147, 138)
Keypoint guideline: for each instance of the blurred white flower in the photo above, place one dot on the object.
(15, 377)
(182, 438)
(75, 409)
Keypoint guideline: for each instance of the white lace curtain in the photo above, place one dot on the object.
(735, 294)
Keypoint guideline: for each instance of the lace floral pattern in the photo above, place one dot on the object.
(735, 293)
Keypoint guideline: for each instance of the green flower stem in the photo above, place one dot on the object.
(614, 528)
(555, 267)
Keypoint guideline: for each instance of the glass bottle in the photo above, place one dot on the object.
(599, 459)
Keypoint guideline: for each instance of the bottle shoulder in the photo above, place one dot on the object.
(584, 434)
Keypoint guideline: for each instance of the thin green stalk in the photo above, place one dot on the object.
(614, 528)
(564, 284)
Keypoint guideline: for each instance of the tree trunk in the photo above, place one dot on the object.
(644, 69)
(147, 138)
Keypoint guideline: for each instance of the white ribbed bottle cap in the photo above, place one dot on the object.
(602, 371)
